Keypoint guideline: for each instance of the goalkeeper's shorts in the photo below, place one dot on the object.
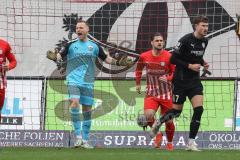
(83, 93)
(154, 103)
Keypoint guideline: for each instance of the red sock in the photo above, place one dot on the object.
(170, 128)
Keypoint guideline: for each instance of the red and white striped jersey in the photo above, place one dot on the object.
(157, 69)
(5, 54)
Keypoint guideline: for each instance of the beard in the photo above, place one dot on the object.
(158, 48)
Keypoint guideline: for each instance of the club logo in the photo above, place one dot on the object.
(162, 64)
(203, 45)
(177, 46)
(90, 48)
(192, 45)
(1, 51)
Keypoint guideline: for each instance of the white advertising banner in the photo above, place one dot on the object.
(22, 106)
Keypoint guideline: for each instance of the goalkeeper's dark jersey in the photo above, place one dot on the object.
(189, 50)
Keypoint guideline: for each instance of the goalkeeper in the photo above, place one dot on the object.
(81, 55)
(159, 86)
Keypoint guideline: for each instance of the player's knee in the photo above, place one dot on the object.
(74, 103)
(149, 113)
(87, 115)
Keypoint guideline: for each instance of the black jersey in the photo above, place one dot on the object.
(189, 50)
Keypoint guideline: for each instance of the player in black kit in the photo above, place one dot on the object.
(188, 58)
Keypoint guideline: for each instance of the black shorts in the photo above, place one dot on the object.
(183, 89)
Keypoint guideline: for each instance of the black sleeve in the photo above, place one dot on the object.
(101, 54)
(202, 60)
(64, 49)
(175, 60)
(177, 53)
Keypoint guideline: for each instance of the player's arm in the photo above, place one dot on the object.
(171, 72)
(124, 61)
(12, 60)
(178, 53)
(59, 55)
(138, 73)
(204, 64)
(62, 53)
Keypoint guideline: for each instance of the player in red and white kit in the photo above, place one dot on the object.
(5, 54)
(159, 73)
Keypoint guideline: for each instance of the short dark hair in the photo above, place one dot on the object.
(82, 21)
(199, 19)
(156, 35)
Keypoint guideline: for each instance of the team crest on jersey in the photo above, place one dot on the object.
(203, 45)
(162, 64)
(1, 51)
(177, 46)
(90, 48)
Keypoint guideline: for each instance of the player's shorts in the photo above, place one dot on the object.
(83, 93)
(154, 103)
(182, 89)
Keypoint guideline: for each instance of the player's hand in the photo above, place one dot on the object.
(195, 67)
(205, 65)
(54, 55)
(5, 67)
(163, 78)
(124, 61)
(138, 89)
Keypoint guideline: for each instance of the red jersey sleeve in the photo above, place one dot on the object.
(171, 70)
(12, 61)
(11, 58)
(139, 69)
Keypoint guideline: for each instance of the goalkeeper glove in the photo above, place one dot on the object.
(54, 55)
(124, 61)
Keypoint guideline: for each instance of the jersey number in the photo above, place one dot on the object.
(175, 98)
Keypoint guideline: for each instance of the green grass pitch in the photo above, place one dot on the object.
(113, 154)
